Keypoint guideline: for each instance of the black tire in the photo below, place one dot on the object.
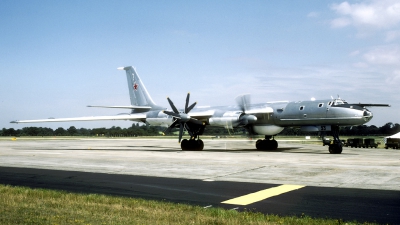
(185, 145)
(335, 149)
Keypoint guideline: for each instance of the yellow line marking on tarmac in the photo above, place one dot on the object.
(261, 195)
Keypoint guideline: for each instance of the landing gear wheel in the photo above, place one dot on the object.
(335, 149)
(192, 145)
(185, 144)
(266, 144)
(200, 145)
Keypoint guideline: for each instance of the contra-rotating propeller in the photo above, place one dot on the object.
(243, 102)
(182, 118)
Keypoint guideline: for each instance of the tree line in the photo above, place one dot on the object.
(144, 130)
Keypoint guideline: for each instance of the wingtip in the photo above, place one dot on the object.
(123, 67)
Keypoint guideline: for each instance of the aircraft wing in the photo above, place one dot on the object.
(371, 105)
(122, 107)
(264, 110)
(201, 115)
(133, 117)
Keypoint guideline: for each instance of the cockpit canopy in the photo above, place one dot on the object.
(337, 102)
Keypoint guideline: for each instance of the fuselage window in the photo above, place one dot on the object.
(330, 103)
(301, 107)
(320, 105)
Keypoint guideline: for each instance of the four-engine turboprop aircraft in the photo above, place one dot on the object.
(266, 119)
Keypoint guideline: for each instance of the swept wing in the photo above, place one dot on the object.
(132, 117)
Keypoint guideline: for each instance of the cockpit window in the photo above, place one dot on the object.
(340, 102)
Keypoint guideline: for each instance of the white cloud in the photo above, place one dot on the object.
(384, 55)
(340, 22)
(360, 65)
(395, 78)
(375, 14)
(392, 35)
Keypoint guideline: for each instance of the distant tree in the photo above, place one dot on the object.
(387, 128)
(84, 132)
(9, 132)
(99, 131)
(396, 128)
(60, 132)
(44, 131)
(30, 131)
(72, 131)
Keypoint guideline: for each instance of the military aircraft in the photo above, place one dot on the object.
(266, 119)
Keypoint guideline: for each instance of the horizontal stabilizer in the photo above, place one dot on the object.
(132, 117)
(122, 107)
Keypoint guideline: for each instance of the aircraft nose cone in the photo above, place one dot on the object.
(367, 115)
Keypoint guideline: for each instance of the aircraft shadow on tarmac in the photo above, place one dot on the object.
(168, 149)
(292, 150)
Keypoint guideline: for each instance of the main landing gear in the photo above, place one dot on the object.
(193, 126)
(336, 147)
(267, 143)
(192, 145)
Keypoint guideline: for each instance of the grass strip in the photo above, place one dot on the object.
(22, 205)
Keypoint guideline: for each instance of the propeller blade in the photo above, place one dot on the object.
(176, 115)
(243, 102)
(171, 126)
(191, 107)
(188, 130)
(187, 103)
(181, 125)
(172, 105)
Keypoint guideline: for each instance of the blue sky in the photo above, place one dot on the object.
(57, 57)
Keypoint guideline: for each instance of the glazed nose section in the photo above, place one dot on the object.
(367, 115)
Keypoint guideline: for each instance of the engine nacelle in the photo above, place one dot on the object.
(232, 119)
(229, 119)
(159, 119)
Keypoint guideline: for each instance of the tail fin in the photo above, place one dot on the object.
(137, 91)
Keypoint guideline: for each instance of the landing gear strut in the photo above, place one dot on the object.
(267, 143)
(336, 147)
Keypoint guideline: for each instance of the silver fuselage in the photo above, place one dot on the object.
(311, 115)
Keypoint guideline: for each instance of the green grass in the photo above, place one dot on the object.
(21, 205)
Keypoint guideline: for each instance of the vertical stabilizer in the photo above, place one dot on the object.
(137, 91)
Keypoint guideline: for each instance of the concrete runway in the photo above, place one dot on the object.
(360, 184)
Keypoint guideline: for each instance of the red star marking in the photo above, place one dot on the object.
(135, 86)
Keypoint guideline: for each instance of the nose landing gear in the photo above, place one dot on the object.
(336, 147)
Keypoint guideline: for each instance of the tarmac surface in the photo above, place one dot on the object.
(361, 184)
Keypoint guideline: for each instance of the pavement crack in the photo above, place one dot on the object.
(237, 172)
